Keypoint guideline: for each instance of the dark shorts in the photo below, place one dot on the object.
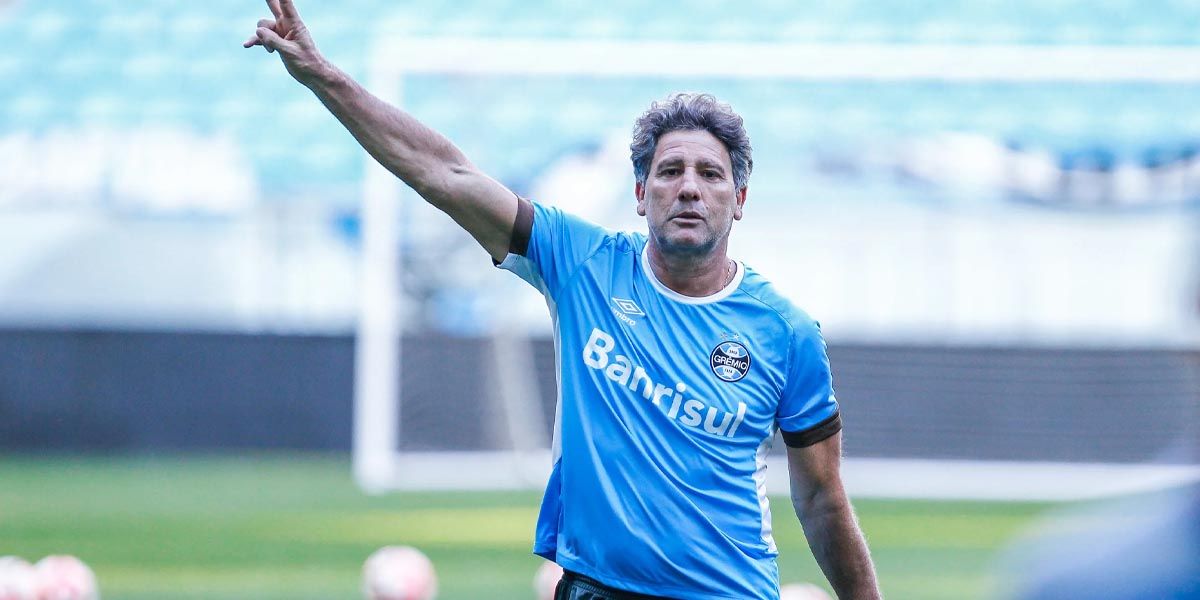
(574, 586)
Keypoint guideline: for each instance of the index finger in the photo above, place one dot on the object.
(274, 6)
(289, 9)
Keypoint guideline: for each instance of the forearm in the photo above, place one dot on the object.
(418, 155)
(838, 545)
(421, 157)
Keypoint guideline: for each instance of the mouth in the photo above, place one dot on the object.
(688, 216)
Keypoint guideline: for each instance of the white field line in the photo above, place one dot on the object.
(864, 478)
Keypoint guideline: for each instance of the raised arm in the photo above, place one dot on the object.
(828, 519)
(421, 157)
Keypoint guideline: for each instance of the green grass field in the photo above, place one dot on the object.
(296, 527)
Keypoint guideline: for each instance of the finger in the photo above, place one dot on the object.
(288, 9)
(252, 42)
(268, 23)
(274, 6)
(271, 40)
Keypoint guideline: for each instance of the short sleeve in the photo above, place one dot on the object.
(808, 411)
(558, 242)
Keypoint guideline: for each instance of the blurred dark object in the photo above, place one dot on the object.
(1144, 547)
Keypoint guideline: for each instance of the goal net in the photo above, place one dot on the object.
(902, 194)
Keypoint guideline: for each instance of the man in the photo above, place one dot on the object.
(676, 363)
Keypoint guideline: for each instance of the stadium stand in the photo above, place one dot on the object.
(96, 64)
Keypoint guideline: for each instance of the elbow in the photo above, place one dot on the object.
(804, 503)
(440, 183)
(810, 513)
(801, 500)
(819, 502)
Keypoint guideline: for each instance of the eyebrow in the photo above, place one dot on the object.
(701, 162)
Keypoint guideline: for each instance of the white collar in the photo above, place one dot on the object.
(719, 295)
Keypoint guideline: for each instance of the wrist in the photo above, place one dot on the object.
(324, 75)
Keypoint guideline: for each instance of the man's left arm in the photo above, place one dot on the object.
(828, 519)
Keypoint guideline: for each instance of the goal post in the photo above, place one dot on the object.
(378, 463)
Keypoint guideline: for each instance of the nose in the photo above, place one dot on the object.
(689, 186)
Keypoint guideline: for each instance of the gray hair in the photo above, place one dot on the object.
(690, 111)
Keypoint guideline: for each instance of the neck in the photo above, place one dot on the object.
(695, 276)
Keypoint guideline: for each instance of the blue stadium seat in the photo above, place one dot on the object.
(170, 62)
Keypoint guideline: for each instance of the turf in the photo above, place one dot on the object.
(295, 527)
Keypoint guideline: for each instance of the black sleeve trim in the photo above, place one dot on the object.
(819, 432)
(522, 228)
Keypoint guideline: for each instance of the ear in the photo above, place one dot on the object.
(740, 198)
(639, 190)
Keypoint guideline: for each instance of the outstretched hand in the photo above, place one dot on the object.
(287, 34)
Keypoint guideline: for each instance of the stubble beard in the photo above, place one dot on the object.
(688, 250)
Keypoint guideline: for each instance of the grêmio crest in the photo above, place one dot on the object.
(730, 361)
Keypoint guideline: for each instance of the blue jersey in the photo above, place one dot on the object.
(668, 405)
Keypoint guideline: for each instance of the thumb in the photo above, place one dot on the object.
(271, 40)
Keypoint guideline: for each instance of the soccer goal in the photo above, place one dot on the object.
(521, 457)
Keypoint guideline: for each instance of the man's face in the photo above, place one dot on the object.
(689, 200)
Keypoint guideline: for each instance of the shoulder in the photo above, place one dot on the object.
(567, 223)
(762, 291)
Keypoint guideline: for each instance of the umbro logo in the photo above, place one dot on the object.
(624, 309)
(628, 307)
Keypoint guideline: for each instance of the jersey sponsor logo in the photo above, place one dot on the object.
(625, 309)
(693, 412)
(730, 361)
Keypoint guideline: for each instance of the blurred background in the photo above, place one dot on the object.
(990, 207)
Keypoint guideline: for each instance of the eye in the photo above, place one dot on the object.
(668, 171)
(712, 174)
